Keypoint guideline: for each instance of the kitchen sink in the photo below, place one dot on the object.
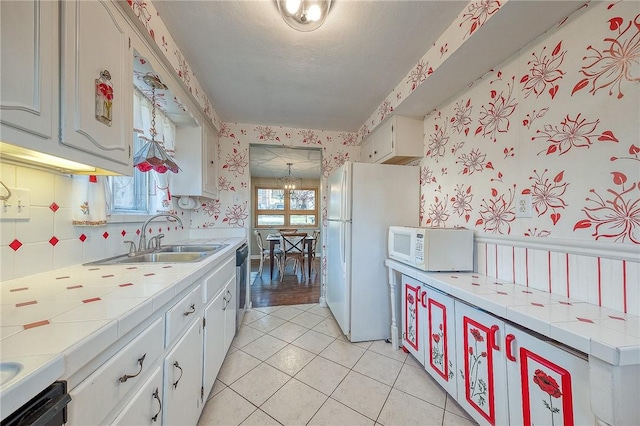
(167, 254)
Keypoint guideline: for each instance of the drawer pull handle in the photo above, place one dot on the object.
(157, 397)
(510, 338)
(192, 309)
(131, 376)
(494, 340)
(175, 384)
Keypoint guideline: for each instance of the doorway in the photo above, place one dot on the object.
(275, 209)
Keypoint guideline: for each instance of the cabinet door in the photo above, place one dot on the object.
(95, 39)
(145, 406)
(230, 309)
(384, 141)
(29, 71)
(183, 378)
(440, 332)
(547, 384)
(214, 341)
(210, 165)
(482, 382)
(366, 150)
(412, 312)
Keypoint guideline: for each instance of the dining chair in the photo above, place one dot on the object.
(292, 246)
(314, 242)
(264, 253)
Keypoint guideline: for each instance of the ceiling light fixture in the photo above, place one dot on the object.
(304, 15)
(152, 155)
(289, 182)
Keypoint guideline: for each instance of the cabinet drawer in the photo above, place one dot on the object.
(145, 407)
(98, 394)
(181, 314)
(214, 282)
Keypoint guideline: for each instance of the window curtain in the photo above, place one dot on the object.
(160, 199)
(91, 197)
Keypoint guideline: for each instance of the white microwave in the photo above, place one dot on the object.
(432, 249)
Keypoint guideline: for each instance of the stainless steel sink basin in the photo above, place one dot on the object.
(193, 249)
(168, 254)
(165, 257)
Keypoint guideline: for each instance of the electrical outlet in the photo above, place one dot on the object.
(523, 206)
(18, 206)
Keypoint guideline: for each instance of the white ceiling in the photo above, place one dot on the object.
(271, 162)
(256, 69)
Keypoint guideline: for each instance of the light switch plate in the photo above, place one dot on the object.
(18, 206)
(523, 206)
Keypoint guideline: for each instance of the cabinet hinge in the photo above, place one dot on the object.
(204, 322)
(201, 392)
(129, 42)
(129, 151)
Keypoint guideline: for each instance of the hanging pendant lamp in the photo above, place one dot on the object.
(152, 155)
(304, 15)
(289, 182)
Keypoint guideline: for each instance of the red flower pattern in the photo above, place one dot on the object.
(497, 213)
(544, 72)
(478, 13)
(547, 383)
(572, 132)
(494, 118)
(547, 193)
(476, 335)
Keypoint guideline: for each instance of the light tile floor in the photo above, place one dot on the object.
(291, 365)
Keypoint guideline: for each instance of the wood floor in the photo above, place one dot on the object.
(292, 290)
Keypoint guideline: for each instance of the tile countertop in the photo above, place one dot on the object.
(53, 323)
(609, 335)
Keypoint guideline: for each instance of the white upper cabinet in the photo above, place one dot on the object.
(29, 72)
(398, 140)
(197, 156)
(97, 116)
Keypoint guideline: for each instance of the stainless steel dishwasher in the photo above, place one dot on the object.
(242, 256)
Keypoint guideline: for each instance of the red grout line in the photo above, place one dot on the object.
(74, 287)
(31, 302)
(624, 285)
(549, 269)
(18, 289)
(599, 283)
(93, 299)
(35, 324)
(568, 287)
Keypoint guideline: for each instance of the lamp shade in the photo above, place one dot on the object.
(304, 15)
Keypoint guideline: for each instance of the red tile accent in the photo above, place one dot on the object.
(108, 276)
(35, 324)
(584, 320)
(30, 302)
(18, 289)
(617, 318)
(167, 267)
(54, 207)
(527, 291)
(149, 274)
(94, 269)
(475, 276)
(66, 277)
(502, 292)
(566, 303)
(497, 283)
(125, 285)
(93, 299)
(476, 284)
(137, 232)
(124, 232)
(53, 241)
(15, 245)
(453, 276)
(73, 287)
(105, 235)
(82, 238)
(537, 304)
(132, 267)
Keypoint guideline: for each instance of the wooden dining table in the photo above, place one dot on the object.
(274, 239)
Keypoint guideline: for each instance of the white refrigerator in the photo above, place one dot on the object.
(364, 200)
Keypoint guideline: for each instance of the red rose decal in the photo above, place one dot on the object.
(106, 91)
(410, 299)
(476, 335)
(547, 383)
(436, 338)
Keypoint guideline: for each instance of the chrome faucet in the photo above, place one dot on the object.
(142, 245)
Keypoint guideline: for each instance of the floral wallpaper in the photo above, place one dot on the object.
(558, 123)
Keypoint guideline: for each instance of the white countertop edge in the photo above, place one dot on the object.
(592, 347)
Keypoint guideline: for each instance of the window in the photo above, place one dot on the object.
(130, 194)
(297, 209)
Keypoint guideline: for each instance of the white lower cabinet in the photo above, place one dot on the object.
(498, 372)
(214, 341)
(145, 406)
(230, 310)
(183, 379)
(547, 385)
